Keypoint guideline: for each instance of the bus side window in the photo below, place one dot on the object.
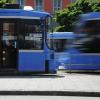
(59, 45)
(32, 37)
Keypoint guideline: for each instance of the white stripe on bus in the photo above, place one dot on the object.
(31, 50)
(21, 17)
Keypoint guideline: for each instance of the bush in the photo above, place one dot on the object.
(67, 17)
(62, 29)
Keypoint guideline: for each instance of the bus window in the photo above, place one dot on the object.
(89, 27)
(60, 41)
(60, 44)
(89, 43)
(9, 38)
(33, 36)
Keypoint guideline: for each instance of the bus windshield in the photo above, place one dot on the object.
(89, 43)
(90, 27)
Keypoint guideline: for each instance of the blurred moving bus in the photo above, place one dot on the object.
(82, 50)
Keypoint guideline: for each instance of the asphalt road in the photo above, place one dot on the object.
(47, 98)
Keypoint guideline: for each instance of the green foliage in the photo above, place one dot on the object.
(2, 2)
(10, 1)
(60, 28)
(96, 7)
(67, 17)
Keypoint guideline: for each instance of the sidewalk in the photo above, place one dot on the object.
(61, 84)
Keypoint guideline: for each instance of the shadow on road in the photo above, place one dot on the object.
(33, 76)
(83, 72)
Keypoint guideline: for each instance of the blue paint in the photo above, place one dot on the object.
(90, 16)
(83, 67)
(31, 61)
(81, 61)
(21, 12)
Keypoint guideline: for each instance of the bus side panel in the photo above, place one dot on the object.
(53, 66)
(85, 61)
(82, 67)
(31, 61)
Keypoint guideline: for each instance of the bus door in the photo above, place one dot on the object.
(8, 45)
(31, 53)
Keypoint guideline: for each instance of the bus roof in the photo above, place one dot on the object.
(62, 35)
(20, 13)
(91, 16)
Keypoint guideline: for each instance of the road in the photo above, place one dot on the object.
(47, 98)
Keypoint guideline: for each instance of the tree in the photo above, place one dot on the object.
(10, 1)
(67, 17)
(2, 2)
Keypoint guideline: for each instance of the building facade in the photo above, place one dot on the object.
(50, 6)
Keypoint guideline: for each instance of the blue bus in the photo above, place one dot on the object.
(82, 52)
(61, 41)
(88, 57)
(23, 42)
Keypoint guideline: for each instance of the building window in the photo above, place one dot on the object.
(39, 5)
(21, 2)
(57, 5)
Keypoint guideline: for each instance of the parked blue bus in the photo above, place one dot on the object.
(61, 41)
(83, 50)
(23, 42)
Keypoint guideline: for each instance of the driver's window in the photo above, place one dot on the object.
(9, 35)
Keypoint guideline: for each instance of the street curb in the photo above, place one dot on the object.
(52, 93)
